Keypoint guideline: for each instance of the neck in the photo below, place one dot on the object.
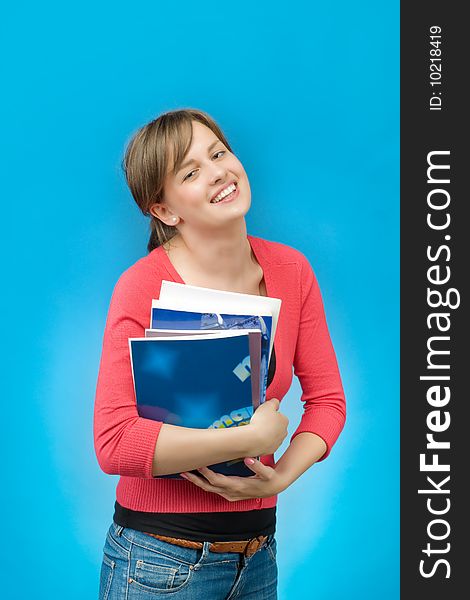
(224, 255)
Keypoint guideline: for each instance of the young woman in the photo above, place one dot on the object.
(207, 535)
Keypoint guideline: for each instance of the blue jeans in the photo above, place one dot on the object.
(137, 566)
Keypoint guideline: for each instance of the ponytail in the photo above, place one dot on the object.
(159, 233)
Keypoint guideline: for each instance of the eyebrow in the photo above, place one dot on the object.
(191, 161)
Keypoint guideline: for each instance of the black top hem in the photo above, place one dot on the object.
(200, 527)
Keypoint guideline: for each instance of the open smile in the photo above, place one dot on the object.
(226, 195)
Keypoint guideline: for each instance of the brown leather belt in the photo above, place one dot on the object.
(246, 547)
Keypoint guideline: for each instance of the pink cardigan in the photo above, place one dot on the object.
(125, 442)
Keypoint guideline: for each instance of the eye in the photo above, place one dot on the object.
(188, 175)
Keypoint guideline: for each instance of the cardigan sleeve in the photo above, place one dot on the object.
(124, 441)
(316, 367)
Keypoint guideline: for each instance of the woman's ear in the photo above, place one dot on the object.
(162, 212)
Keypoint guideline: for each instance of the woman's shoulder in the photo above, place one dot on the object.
(278, 251)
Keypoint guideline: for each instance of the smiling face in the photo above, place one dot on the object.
(208, 169)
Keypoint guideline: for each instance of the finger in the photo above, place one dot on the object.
(227, 484)
(263, 471)
(206, 486)
(193, 477)
(201, 482)
(216, 479)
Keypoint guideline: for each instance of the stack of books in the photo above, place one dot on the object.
(203, 362)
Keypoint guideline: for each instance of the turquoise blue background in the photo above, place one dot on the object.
(307, 94)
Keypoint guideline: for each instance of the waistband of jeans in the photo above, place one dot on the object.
(118, 529)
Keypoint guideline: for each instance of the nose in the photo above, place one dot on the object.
(218, 173)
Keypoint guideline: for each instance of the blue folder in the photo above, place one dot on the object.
(164, 318)
(200, 383)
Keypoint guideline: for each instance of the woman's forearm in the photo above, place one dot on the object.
(304, 450)
(183, 449)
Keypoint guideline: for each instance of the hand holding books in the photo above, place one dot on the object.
(182, 449)
(269, 427)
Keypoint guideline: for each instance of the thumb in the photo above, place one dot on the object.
(275, 403)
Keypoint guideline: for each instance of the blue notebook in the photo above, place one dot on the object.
(164, 318)
(198, 381)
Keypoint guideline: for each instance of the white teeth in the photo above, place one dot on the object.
(223, 193)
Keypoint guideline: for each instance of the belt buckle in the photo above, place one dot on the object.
(254, 545)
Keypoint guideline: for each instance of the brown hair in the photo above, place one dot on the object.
(147, 161)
